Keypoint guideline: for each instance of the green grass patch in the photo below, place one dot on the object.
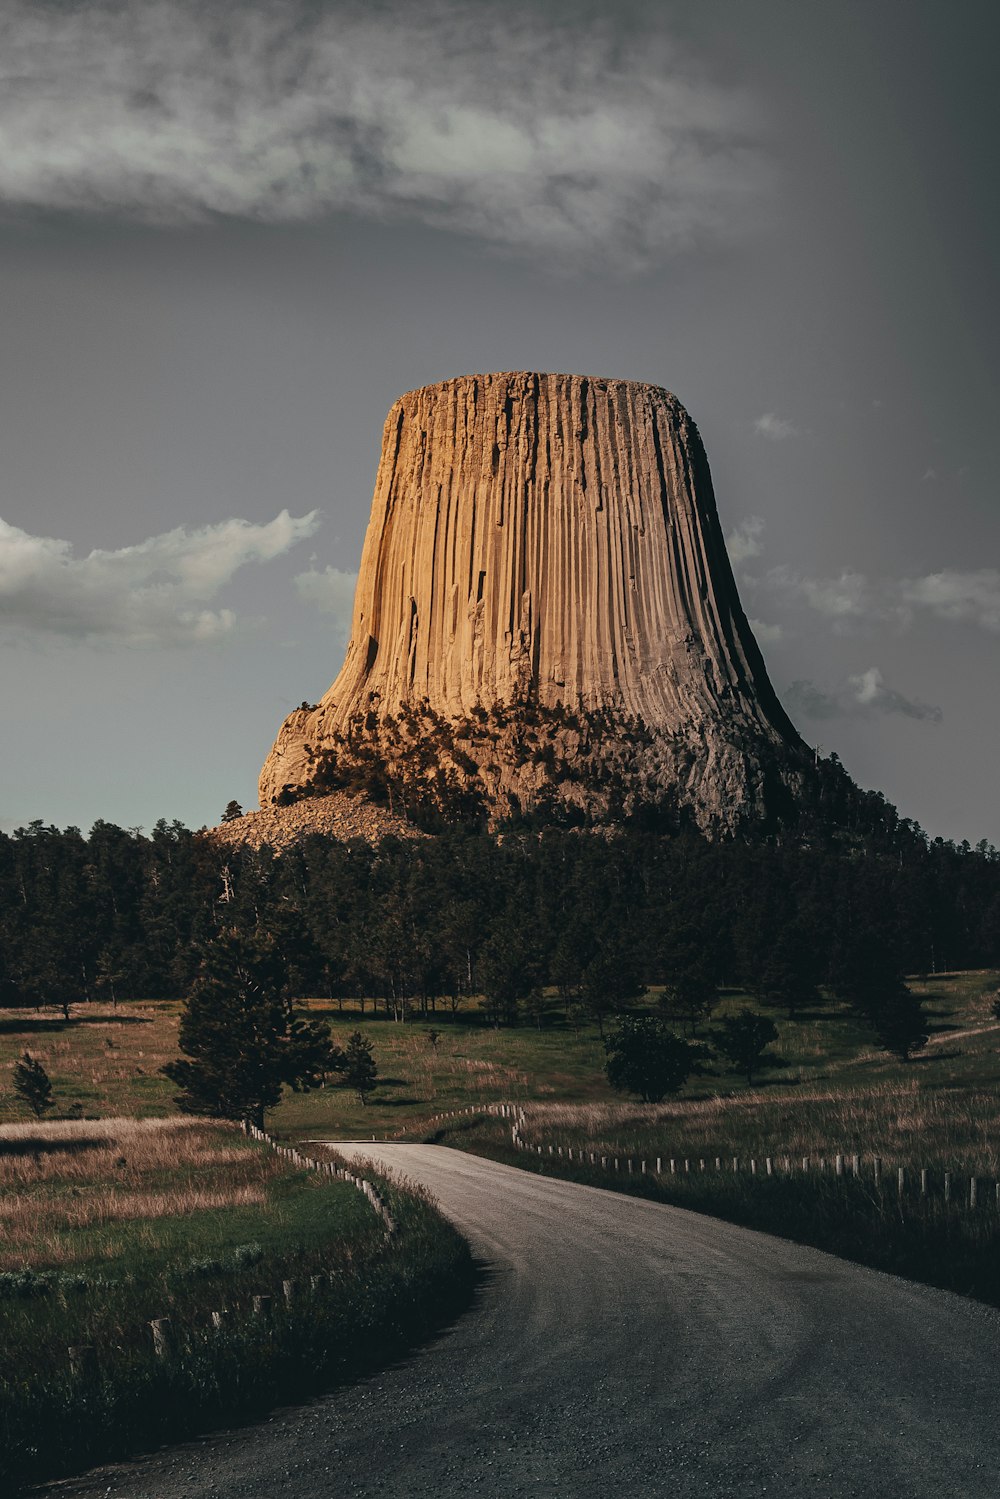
(112, 1224)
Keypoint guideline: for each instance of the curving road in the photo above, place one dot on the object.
(622, 1347)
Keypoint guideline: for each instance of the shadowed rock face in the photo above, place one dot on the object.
(545, 617)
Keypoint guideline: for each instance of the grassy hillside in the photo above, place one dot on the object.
(107, 1063)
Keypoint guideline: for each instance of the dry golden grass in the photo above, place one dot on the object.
(93, 1174)
(105, 1060)
(903, 1121)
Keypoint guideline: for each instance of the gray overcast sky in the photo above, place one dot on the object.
(230, 236)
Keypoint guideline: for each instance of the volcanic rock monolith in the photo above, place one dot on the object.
(546, 621)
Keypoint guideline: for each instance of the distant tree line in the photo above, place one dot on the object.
(580, 921)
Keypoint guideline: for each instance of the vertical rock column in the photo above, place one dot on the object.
(550, 539)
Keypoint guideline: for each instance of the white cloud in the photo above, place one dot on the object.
(484, 118)
(330, 591)
(153, 594)
(870, 692)
(852, 597)
(973, 597)
(766, 634)
(775, 428)
(745, 541)
(843, 599)
(864, 695)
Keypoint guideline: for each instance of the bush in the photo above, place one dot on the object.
(645, 1057)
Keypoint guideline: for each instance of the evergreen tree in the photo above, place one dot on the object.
(743, 1040)
(611, 981)
(645, 1057)
(361, 1072)
(32, 1086)
(244, 1040)
(785, 974)
(509, 970)
(232, 812)
(900, 1024)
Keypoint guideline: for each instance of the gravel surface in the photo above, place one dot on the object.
(341, 815)
(620, 1346)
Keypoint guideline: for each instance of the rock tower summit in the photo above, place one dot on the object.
(545, 618)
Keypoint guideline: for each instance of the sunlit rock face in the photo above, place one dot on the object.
(546, 620)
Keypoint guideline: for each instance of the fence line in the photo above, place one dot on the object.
(328, 1168)
(83, 1358)
(977, 1189)
(843, 1165)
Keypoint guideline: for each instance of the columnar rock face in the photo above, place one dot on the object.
(545, 618)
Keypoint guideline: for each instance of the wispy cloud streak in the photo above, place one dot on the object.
(865, 695)
(481, 118)
(853, 598)
(330, 590)
(775, 428)
(153, 594)
(744, 541)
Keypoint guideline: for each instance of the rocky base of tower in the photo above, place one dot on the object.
(337, 816)
(555, 765)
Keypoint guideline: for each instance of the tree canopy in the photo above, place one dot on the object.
(421, 925)
(243, 1041)
(647, 1058)
(743, 1039)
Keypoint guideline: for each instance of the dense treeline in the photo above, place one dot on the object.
(596, 915)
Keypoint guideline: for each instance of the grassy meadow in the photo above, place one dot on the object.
(131, 1212)
(108, 1224)
(829, 1083)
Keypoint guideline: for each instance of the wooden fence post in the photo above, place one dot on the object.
(839, 1165)
(973, 1192)
(659, 1165)
(290, 1291)
(901, 1179)
(262, 1307)
(856, 1164)
(769, 1165)
(163, 1336)
(221, 1319)
(947, 1186)
(805, 1163)
(736, 1164)
(878, 1170)
(753, 1167)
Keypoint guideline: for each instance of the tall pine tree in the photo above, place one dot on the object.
(242, 1036)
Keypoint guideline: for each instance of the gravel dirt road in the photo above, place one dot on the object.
(621, 1347)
